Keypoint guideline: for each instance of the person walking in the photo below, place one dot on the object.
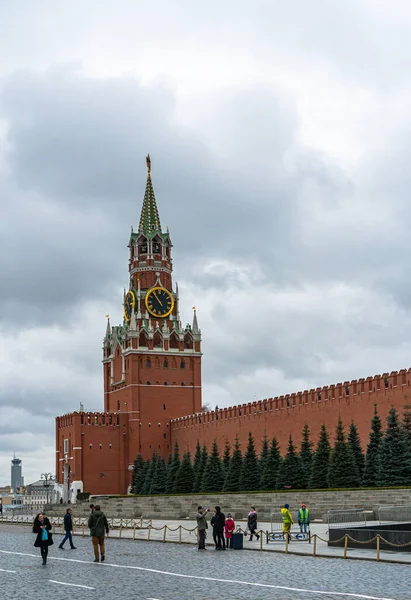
(98, 525)
(218, 528)
(252, 524)
(229, 528)
(201, 526)
(44, 538)
(287, 519)
(68, 528)
(303, 518)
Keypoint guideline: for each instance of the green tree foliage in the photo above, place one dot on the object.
(198, 475)
(146, 489)
(213, 478)
(185, 476)
(172, 470)
(321, 461)
(226, 457)
(406, 423)
(269, 475)
(137, 477)
(372, 456)
(343, 470)
(355, 444)
(250, 474)
(197, 458)
(395, 460)
(306, 455)
(158, 482)
(232, 479)
(262, 461)
(290, 474)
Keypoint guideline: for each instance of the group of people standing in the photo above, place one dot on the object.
(97, 522)
(223, 528)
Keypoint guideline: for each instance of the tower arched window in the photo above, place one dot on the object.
(158, 340)
(165, 365)
(143, 340)
(148, 363)
(156, 245)
(182, 364)
(188, 341)
(173, 340)
(142, 247)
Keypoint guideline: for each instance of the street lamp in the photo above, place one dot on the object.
(48, 477)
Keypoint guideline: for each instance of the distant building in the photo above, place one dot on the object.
(17, 479)
(40, 492)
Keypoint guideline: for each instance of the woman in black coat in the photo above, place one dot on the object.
(44, 539)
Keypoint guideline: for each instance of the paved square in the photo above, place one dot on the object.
(155, 571)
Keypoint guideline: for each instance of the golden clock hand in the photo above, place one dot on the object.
(157, 298)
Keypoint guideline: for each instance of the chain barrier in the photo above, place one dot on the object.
(142, 524)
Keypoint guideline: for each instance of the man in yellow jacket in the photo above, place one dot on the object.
(287, 518)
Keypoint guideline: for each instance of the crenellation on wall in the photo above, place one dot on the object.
(286, 414)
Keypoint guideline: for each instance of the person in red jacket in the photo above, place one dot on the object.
(229, 530)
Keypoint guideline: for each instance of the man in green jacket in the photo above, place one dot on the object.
(98, 525)
(303, 518)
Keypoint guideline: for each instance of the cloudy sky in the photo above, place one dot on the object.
(280, 136)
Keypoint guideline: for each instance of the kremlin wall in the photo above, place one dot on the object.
(286, 415)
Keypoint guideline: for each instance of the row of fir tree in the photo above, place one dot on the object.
(386, 462)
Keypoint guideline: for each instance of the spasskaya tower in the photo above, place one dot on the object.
(152, 372)
(152, 363)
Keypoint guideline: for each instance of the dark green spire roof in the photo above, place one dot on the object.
(150, 219)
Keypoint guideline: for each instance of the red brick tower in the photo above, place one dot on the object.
(152, 364)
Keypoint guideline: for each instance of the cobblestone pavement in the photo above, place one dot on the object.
(145, 571)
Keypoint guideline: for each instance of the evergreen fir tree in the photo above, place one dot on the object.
(198, 475)
(197, 458)
(290, 473)
(321, 461)
(146, 489)
(343, 472)
(270, 474)
(146, 469)
(306, 455)
(250, 475)
(185, 476)
(262, 461)
(395, 460)
(372, 457)
(406, 423)
(232, 479)
(213, 478)
(172, 470)
(158, 482)
(355, 444)
(137, 477)
(226, 457)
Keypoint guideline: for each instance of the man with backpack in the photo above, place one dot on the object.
(98, 525)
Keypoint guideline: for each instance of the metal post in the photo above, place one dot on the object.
(261, 539)
(134, 532)
(287, 538)
(378, 547)
(82, 528)
(179, 534)
(148, 533)
(345, 545)
(121, 527)
(315, 545)
(165, 533)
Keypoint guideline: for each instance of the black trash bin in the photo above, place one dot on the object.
(238, 539)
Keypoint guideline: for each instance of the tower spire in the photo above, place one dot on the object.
(150, 219)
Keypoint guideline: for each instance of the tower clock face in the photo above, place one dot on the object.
(129, 304)
(159, 302)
